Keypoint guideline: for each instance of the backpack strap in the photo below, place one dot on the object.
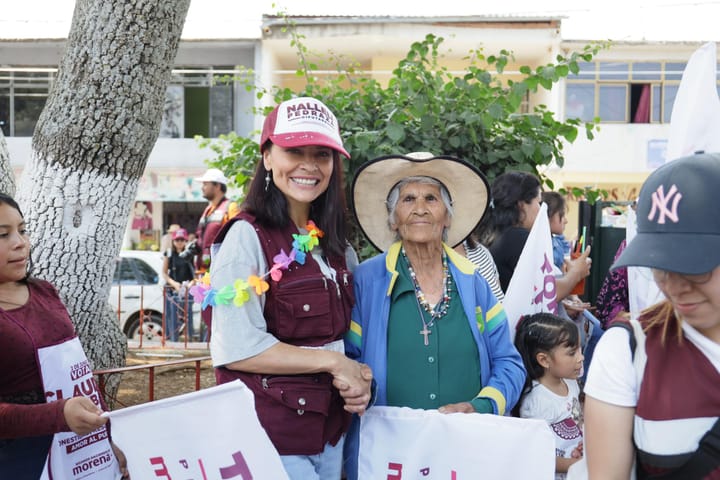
(631, 332)
(703, 462)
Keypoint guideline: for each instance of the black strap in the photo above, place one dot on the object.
(705, 459)
(631, 331)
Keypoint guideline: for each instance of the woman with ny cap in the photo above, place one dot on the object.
(425, 320)
(287, 258)
(653, 389)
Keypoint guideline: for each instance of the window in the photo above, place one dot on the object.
(199, 102)
(623, 92)
(133, 271)
(23, 93)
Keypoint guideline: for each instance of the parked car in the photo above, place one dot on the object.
(137, 291)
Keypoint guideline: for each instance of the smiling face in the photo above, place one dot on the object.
(302, 174)
(14, 245)
(698, 304)
(420, 214)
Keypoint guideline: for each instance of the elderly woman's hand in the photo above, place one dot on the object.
(353, 381)
(462, 407)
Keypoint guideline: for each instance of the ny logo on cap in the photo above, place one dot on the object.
(660, 203)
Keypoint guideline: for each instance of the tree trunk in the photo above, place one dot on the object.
(7, 177)
(89, 150)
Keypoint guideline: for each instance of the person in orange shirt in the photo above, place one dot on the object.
(220, 209)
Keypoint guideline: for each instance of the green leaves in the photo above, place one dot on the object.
(479, 115)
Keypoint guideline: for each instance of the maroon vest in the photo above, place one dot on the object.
(300, 413)
(679, 382)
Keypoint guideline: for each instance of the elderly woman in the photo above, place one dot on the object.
(425, 320)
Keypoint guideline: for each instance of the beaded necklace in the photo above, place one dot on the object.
(441, 308)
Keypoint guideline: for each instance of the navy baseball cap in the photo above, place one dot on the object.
(678, 224)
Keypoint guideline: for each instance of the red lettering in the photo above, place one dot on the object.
(397, 473)
(239, 468)
(162, 472)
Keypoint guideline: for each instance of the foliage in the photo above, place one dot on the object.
(587, 193)
(425, 107)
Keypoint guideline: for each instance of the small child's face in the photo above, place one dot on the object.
(566, 362)
(558, 222)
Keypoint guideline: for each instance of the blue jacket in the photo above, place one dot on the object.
(502, 372)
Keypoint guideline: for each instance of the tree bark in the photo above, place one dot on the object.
(89, 150)
(7, 177)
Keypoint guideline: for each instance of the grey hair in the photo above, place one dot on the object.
(394, 196)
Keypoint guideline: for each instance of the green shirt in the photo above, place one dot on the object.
(429, 376)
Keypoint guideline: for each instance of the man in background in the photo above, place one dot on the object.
(219, 210)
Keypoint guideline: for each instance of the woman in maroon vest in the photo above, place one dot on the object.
(653, 389)
(37, 409)
(286, 343)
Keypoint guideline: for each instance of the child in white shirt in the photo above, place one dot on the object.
(550, 348)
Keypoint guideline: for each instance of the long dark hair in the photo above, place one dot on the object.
(542, 332)
(8, 200)
(507, 189)
(328, 211)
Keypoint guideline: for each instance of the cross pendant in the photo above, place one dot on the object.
(425, 332)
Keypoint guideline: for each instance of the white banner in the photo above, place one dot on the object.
(409, 444)
(642, 289)
(66, 373)
(695, 120)
(532, 286)
(209, 434)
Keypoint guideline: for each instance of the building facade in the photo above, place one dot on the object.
(630, 86)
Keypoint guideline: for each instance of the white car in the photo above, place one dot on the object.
(137, 291)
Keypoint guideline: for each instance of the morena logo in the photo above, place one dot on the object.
(91, 463)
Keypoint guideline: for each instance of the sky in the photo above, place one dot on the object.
(620, 20)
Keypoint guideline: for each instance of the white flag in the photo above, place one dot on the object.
(642, 289)
(695, 120)
(403, 443)
(209, 434)
(532, 286)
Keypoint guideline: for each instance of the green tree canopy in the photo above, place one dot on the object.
(425, 107)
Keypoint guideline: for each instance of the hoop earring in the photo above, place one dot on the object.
(267, 180)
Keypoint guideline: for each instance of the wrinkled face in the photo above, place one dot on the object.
(558, 222)
(696, 299)
(420, 214)
(565, 362)
(14, 245)
(302, 174)
(529, 211)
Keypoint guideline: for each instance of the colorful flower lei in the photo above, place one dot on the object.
(239, 292)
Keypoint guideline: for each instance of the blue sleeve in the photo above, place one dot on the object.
(507, 372)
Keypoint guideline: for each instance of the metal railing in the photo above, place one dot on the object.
(104, 373)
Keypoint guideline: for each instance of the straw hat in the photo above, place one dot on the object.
(468, 188)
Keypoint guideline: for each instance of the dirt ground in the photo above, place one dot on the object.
(169, 380)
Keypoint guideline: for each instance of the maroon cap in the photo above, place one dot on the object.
(300, 122)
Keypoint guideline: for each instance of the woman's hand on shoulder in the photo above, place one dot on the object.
(462, 407)
(353, 380)
(82, 415)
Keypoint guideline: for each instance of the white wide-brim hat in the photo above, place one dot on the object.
(467, 186)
